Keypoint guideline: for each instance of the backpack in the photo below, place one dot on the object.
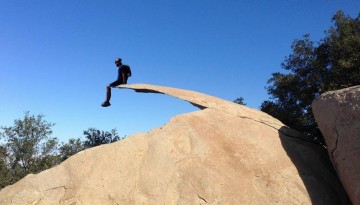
(128, 70)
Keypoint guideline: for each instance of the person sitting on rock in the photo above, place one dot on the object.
(124, 72)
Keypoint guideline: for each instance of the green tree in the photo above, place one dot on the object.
(5, 175)
(72, 147)
(96, 137)
(28, 147)
(239, 101)
(312, 69)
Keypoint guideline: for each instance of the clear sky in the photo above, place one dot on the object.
(56, 57)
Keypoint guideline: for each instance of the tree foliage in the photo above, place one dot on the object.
(239, 101)
(70, 148)
(28, 148)
(96, 137)
(312, 69)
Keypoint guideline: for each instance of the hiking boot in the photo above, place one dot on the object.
(106, 104)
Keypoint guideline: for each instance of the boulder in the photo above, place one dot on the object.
(338, 116)
(224, 153)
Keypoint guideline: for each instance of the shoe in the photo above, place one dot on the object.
(106, 104)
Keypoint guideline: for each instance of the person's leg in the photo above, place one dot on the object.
(108, 93)
(108, 96)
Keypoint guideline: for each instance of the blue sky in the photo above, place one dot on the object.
(56, 57)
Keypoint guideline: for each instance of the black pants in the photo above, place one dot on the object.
(116, 83)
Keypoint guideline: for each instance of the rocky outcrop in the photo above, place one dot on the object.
(338, 116)
(224, 153)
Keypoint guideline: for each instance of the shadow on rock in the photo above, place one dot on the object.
(315, 169)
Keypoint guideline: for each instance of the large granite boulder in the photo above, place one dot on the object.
(338, 116)
(224, 153)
